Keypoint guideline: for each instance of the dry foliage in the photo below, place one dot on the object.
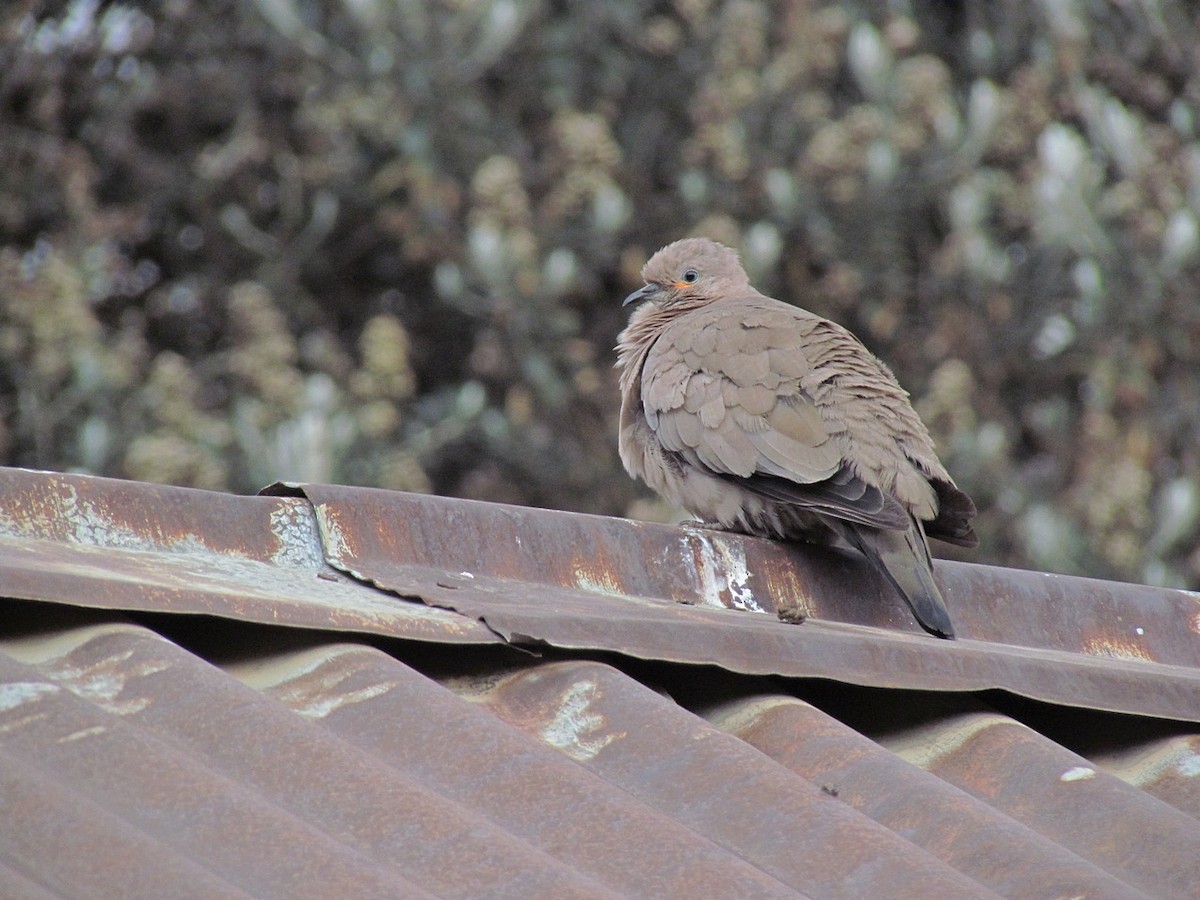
(384, 241)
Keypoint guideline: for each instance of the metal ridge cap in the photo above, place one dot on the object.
(364, 528)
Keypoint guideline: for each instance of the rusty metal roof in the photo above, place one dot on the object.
(335, 691)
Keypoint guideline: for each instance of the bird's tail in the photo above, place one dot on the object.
(903, 558)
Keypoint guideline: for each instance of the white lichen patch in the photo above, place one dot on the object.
(81, 734)
(1077, 773)
(310, 682)
(1146, 765)
(575, 730)
(721, 571)
(93, 525)
(337, 547)
(1188, 764)
(299, 543)
(18, 693)
(103, 682)
(318, 706)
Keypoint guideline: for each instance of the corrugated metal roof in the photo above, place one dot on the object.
(391, 742)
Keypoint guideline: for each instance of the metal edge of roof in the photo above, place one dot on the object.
(114, 544)
(463, 539)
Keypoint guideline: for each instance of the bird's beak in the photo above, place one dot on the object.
(642, 293)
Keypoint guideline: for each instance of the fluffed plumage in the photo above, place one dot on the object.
(761, 417)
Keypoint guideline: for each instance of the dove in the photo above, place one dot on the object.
(760, 417)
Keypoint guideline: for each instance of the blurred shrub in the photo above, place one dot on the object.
(383, 241)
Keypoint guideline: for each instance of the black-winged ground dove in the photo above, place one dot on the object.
(761, 417)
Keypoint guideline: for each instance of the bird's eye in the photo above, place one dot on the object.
(690, 276)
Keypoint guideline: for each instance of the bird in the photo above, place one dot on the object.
(760, 417)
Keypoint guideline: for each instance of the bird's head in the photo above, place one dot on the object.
(690, 271)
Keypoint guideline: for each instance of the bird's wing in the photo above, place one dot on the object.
(721, 388)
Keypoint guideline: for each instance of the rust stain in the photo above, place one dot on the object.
(1115, 648)
(787, 592)
(588, 576)
(926, 747)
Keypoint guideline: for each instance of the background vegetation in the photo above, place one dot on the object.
(384, 241)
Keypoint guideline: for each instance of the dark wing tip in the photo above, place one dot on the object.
(955, 512)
